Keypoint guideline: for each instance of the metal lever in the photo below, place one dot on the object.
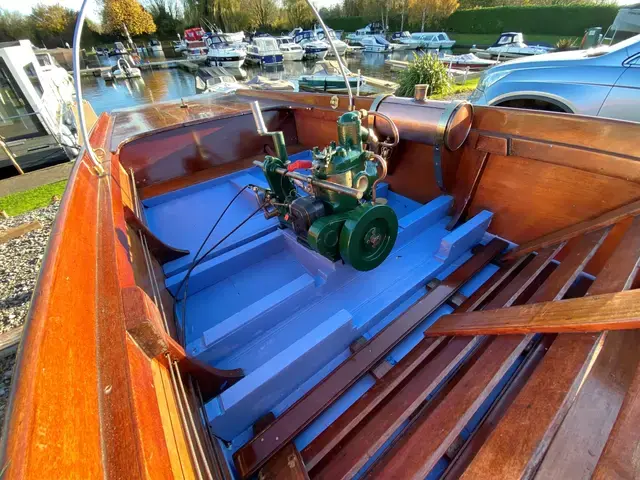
(278, 137)
(335, 187)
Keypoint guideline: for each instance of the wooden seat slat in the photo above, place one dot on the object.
(614, 311)
(260, 448)
(607, 219)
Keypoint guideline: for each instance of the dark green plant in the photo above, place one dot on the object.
(425, 69)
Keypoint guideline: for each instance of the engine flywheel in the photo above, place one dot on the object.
(368, 236)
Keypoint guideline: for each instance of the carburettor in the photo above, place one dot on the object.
(337, 214)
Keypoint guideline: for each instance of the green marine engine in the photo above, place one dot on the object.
(340, 217)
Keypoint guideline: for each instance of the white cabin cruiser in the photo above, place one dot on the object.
(314, 49)
(511, 45)
(154, 46)
(264, 51)
(341, 47)
(433, 40)
(405, 39)
(291, 51)
(375, 28)
(375, 44)
(222, 53)
(216, 80)
(36, 117)
(121, 71)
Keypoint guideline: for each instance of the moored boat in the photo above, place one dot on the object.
(314, 49)
(510, 45)
(264, 51)
(432, 40)
(467, 60)
(291, 51)
(121, 70)
(222, 53)
(296, 285)
(375, 44)
(341, 46)
(405, 38)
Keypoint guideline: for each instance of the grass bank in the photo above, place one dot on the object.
(457, 90)
(39, 197)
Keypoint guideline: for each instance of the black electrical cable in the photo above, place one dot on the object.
(196, 262)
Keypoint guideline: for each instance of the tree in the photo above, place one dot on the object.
(14, 26)
(121, 15)
(432, 11)
(52, 22)
(263, 12)
(165, 16)
(298, 13)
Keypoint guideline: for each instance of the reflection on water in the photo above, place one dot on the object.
(168, 84)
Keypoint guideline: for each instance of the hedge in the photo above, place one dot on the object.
(548, 20)
(552, 20)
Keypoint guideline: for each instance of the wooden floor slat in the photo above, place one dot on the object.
(421, 447)
(621, 455)
(378, 428)
(552, 390)
(514, 448)
(260, 448)
(470, 448)
(340, 427)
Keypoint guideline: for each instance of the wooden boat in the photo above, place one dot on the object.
(497, 340)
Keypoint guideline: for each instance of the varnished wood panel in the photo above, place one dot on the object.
(43, 437)
(530, 199)
(605, 134)
(188, 149)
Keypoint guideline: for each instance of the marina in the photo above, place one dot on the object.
(321, 254)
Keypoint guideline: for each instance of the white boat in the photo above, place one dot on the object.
(260, 82)
(375, 28)
(405, 39)
(510, 45)
(341, 47)
(314, 49)
(179, 45)
(467, 60)
(123, 70)
(216, 80)
(118, 49)
(36, 107)
(326, 77)
(154, 46)
(375, 44)
(291, 51)
(196, 54)
(222, 53)
(433, 40)
(264, 51)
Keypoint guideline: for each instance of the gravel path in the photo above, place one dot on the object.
(20, 260)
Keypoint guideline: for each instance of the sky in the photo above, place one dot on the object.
(24, 6)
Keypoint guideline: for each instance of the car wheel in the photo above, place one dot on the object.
(534, 104)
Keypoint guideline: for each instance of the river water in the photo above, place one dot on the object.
(168, 84)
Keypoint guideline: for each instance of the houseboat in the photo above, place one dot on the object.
(298, 285)
(264, 51)
(37, 125)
